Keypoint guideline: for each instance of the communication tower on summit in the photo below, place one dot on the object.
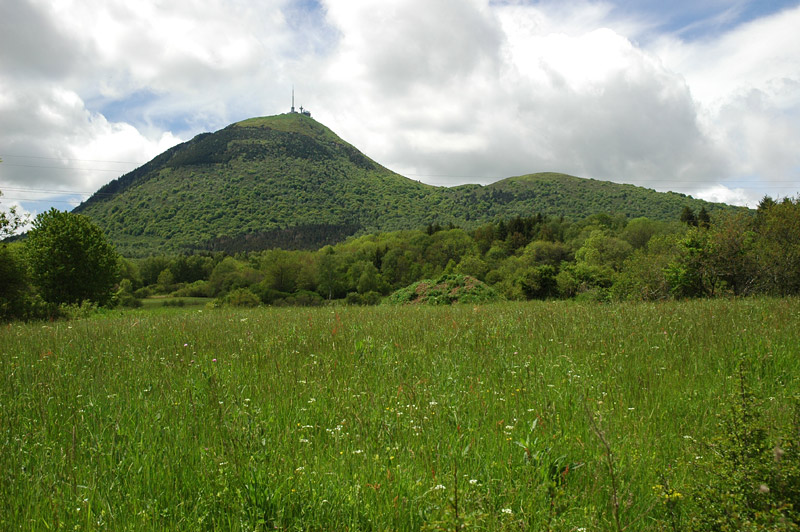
(304, 112)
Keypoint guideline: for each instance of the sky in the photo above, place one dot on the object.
(701, 98)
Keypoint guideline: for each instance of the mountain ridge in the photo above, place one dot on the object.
(285, 179)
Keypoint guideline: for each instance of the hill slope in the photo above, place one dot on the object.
(289, 181)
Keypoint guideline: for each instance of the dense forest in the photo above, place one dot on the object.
(602, 257)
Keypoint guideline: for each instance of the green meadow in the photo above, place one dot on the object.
(515, 416)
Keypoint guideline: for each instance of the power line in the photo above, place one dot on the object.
(68, 159)
(45, 200)
(64, 168)
(54, 191)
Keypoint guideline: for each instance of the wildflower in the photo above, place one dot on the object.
(507, 511)
(473, 481)
(213, 360)
(439, 487)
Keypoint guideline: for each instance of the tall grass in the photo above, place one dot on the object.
(377, 418)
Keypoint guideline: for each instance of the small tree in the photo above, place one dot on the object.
(10, 222)
(12, 271)
(688, 217)
(703, 218)
(70, 259)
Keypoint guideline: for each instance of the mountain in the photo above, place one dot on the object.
(288, 181)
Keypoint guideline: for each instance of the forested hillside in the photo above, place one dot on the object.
(600, 258)
(288, 181)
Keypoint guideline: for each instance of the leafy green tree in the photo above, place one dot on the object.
(693, 272)
(130, 270)
(639, 231)
(329, 273)
(369, 280)
(10, 221)
(70, 259)
(585, 281)
(643, 273)
(778, 246)
(473, 266)
(539, 282)
(151, 267)
(191, 268)
(544, 252)
(733, 253)
(703, 218)
(688, 216)
(13, 283)
(166, 281)
(231, 274)
(604, 250)
(449, 245)
(281, 269)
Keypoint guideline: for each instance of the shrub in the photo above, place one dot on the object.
(195, 289)
(752, 480)
(241, 297)
(445, 290)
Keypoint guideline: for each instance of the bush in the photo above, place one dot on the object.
(143, 292)
(195, 289)
(302, 298)
(241, 297)
(752, 480)
(445, 290)
(268, 296)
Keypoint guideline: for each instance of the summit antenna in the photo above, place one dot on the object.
(304, 112)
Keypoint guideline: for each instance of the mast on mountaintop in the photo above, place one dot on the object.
(304, 112)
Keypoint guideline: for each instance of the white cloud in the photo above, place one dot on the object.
(735, 196)
(447, 91)
(53, 142)
(747, 88)
(520, 97)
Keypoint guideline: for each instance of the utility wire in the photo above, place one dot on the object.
(116, 170)
(68, 159)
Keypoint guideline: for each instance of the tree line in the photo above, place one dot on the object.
(66, 260)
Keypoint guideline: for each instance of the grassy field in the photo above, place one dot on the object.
(530, 416)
